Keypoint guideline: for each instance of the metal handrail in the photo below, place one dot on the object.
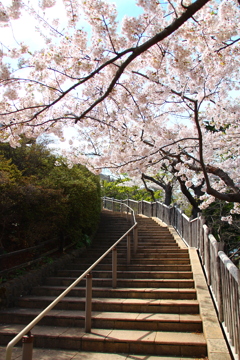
(35, 321)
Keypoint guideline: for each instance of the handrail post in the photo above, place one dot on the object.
(128, 248)
(27, 346)
(114, 268)
(219, 287)
(135, 240)
(88, 306)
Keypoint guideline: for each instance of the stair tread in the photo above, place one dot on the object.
(150, 272)
(136, 316)
(163, 337)
(126, 289)
(119, 279)
(120, 300)
(46, 354)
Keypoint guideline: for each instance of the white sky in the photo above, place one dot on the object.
(23, 29)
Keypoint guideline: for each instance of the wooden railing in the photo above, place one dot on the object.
(223, 277)
(25, 334)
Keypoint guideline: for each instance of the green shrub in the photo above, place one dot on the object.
(52, 201)
(82, 204)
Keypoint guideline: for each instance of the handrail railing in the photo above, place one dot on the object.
(223, 277)
(29, 327)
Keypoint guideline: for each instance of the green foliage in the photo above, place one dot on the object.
(9, 173)
(118, 190)
(31, 158)
(42, 198)
(187, 210)
(82, 202)
(212, 128)
(227, 233)
(47, 260)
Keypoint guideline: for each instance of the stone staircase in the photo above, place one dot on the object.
(152, 314)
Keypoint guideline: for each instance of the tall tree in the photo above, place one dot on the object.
(164, 182)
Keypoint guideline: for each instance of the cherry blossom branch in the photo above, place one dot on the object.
(140, 158)
(44, 21)
(132, 97)
(22, 109)
(12, 80)
(227, 45)
(205, 168)
(176, 24)
(234, 197)
(174, 10)
(109, 36)
(134, 53)
(210, 169)
(219, 173)
(80, 82)
(103, 122)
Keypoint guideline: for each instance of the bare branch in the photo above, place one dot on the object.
(109, 36)
(147, 188)
(227, 45)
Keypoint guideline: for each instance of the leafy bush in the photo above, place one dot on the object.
(118, 190)
(53, 201)
(82, 201)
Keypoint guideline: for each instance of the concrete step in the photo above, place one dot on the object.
(51, 354)
(102, 282)
(158, 255)
(154, 250)
(152, 247)
(175, 306)
(128, 293)
(152, 235)
(142, 250)
(113, 340)
(107, 320)
(134, 261)
(131, 274)
(78, 268)
(106, 271)
(162, 261)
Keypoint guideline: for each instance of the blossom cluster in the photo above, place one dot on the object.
(172, 105)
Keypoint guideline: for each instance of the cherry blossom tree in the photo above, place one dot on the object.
(164, 181)
(138, 96)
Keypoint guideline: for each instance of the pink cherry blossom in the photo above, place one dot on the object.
(158, 90)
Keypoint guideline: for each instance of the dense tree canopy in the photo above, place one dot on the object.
(41, 198)
(161, 89)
